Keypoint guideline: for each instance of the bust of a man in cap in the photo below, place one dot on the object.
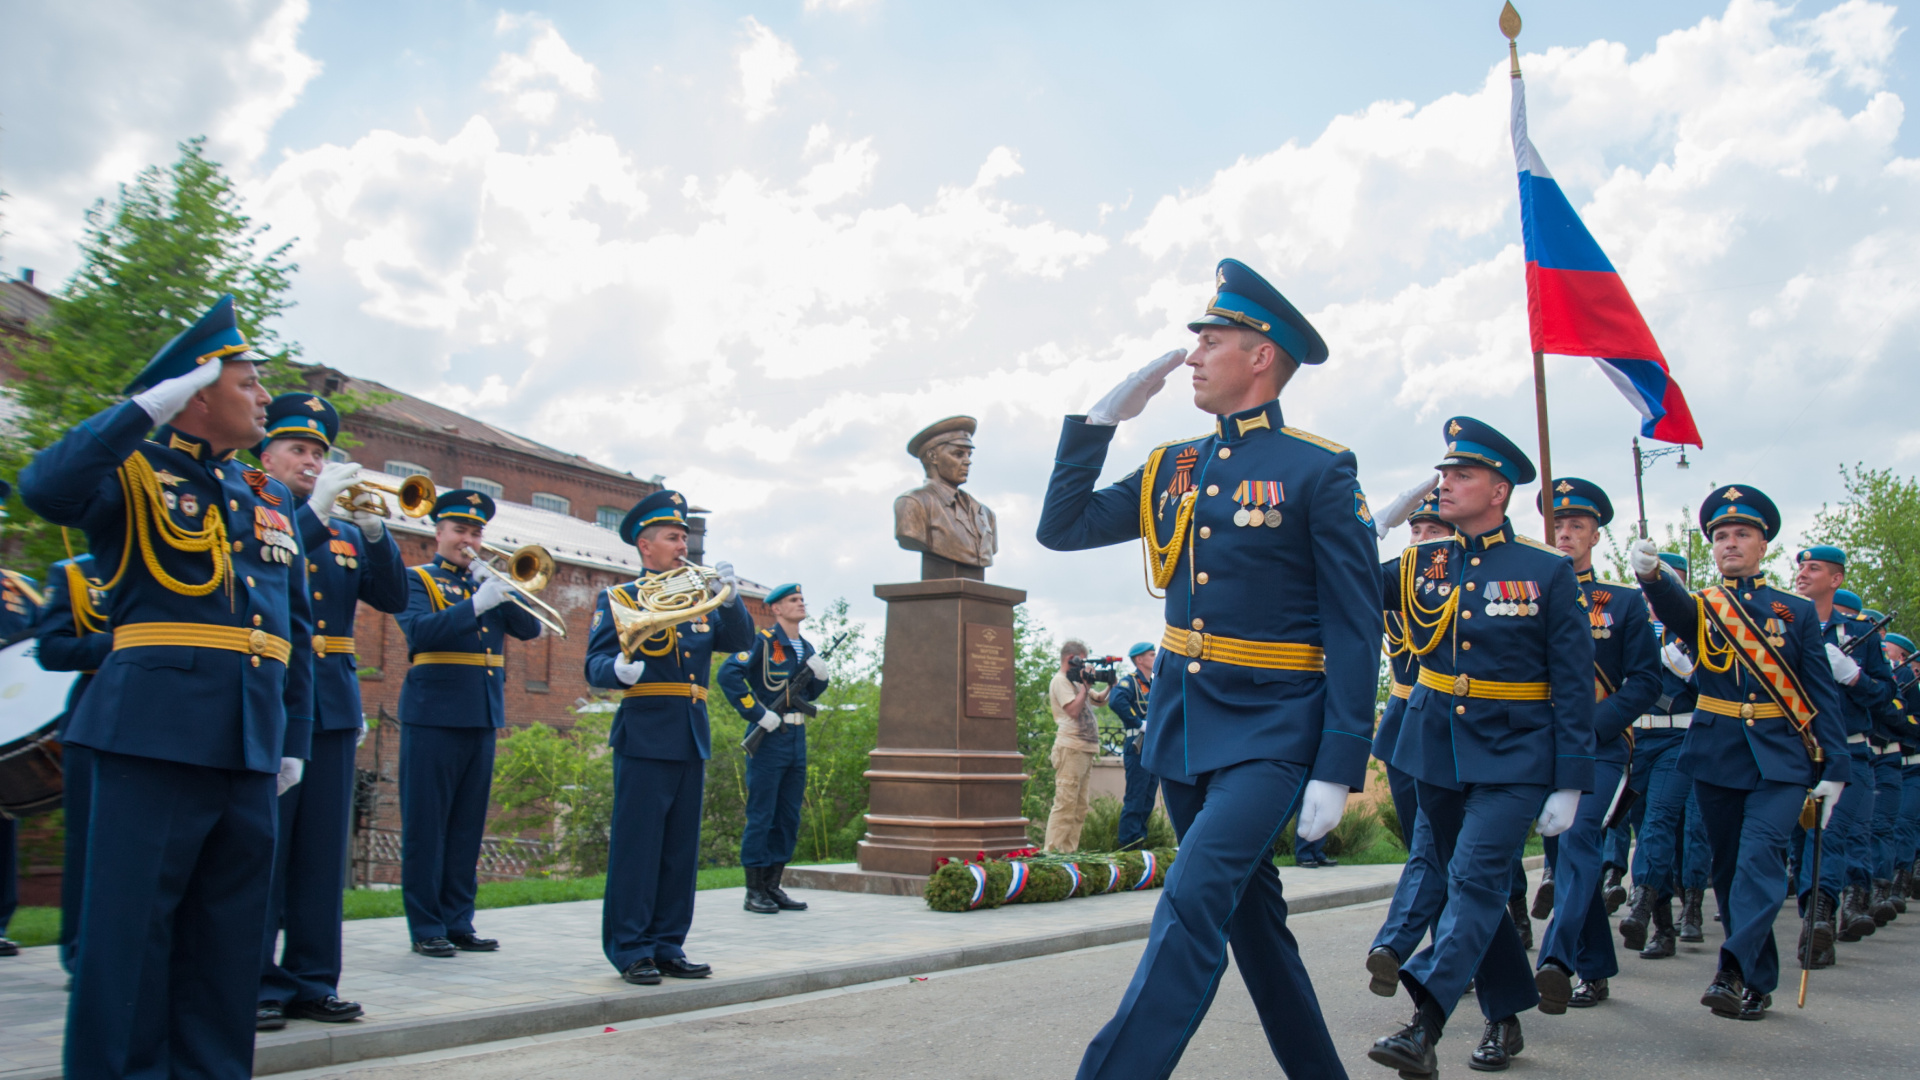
(955, 535)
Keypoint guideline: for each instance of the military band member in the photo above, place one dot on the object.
(17, 613)
(458, 618)
(1262, 539)
(201, 711)
(1128, 701)
(1626, 680)
(1767, 725)
(350, 558)
(1499, 729)
(661, 743)
(754, 680)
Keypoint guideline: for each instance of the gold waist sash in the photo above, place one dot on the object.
(1485, 689)
(666, 689)
(1402, 690)
(201, 636)
(468, 658)
(1745, 710)
(332, 646)
(1273, 655)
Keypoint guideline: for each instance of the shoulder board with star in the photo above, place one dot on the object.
(1538, 546)
(1328, 445)
(767, 632)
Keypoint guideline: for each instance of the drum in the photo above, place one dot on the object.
(31, 701)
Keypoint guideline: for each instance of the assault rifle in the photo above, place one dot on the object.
(791, 700)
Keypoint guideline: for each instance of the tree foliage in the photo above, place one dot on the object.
(1878, 525)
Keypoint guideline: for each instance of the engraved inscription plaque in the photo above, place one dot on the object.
(989, 679)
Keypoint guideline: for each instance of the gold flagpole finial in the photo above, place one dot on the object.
(1510, 26)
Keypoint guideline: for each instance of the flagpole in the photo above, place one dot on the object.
(1510, 26)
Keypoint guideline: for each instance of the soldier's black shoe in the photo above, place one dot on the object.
(1543, 898)
(1410, 1050)
(642, 973)
(1383, 965)
(1660, 946)
(1612, 893)
(757, 900)
(679, 967)
(1902, 886)
(1880, 907)
(326, 1010)
(1555, 984)
(269, 1016)
(9, 947)
(1913, 881)
(1633, 925)
(1498, 1044)
(1726, 994)
(1754, 1005)
(770, 884)
(1589, 993)
(1823, 924)
(434, 946)
(474, 943)
(1854, 918)
(1517, 908)
(1692, 927)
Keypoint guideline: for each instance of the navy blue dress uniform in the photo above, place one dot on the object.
(1905, 706)
(753, 679)
(1626, 682)
(1265, 679)
(1129, 701)
(309, 866)
(1501, 717)
(1884, 746)
(1752, 757)
(208, 686)
(661, 743)
(453, 702)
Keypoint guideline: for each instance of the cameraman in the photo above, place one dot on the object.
(1129, 702)
(1076, 740)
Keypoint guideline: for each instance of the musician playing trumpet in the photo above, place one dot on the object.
(674, 617)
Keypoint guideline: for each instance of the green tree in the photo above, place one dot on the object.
(1035, 661)
(545, 778)
(1878, 525)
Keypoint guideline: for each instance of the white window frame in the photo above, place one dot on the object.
(556, 504)
(407, 468)
(491, 488)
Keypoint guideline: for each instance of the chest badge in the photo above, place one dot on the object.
(1259, 503)
(1182, 482)
(189, 504)
(1599, 619)
(1513, 598)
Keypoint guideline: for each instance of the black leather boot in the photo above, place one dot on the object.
(1409, 1050)
(1692, 926)
(1854, 918)
(1902, 885)
(758, 901)
(1517, 907)
(1612, 892)
(1913, 880)
(1543, 898)
(1633, 927)
(1726, 995)
(1880, 906)
(1498, 1043)
(1660, 943)
(771, 886)
(1821, 940)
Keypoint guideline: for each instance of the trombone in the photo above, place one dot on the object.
(526, 570)
(680, 595)
(415, 494)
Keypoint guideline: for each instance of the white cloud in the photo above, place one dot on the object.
(840, 5)
(766, 64)
(534, 80)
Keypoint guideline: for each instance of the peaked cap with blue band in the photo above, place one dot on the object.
(1848, 599)
(1903, 641)
(663, 507)
(1572, 495)
(465, 504)
(781, 592)
(301, 416)
(1429, 509)
(1823, 553)
(215, 336)
(1243, 298)
(1675, 560)
(1138, 648)
(1471, 442)
(1739, 502)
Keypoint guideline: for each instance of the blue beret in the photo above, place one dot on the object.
(1572, 495)
(1243, 298)
(1870, 615)
(1470, 442)
(663, 507)
(215, 336)
(1139, 647)
(1429, 509)
(781, 592)
(1675, 560)
(465, 504)
(301, 416)
(1902, 640)
(1743, 503)
(1848, 599)
(1823, 553)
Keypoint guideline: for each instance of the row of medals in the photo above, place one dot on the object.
(1248, 516)
(1511, 607)
(347, 561)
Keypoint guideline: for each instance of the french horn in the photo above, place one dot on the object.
(680, 595)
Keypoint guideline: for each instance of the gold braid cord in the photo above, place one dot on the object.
(87, 619)
(1720, 660)
(1418, 617)
(147, 514)
(1162, 559)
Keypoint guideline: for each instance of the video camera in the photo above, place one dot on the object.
(1094, 669)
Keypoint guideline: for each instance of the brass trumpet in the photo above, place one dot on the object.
(526, 570)
(678, 596)
(415, 493)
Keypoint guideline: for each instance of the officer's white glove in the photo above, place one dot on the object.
(360, 737)
(1674, 655)
(1125, 401)
(291, 770)
(818, 666)
(797, 719)
(1403, 505)
(1644, 558)
(769, 723)
(372, 525)
(1321, 808)
(481, 570)
(629, 671)
(164, 400)
(335, 477)
(491, 594)
(1557, 816)
(1830, 791)
(1845, 671)
(724, 577)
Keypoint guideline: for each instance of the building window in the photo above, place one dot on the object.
(609, 517)
(544, 501)
(337, 454)
(407, 468)
(484, 486)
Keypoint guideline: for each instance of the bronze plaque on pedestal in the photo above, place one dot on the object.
(989, 671)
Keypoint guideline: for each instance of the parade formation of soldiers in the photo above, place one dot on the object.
(1742, 742)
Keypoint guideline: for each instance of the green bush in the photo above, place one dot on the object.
(548, 779)
(1103, 826)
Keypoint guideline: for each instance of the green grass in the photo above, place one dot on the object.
(1386, 849)
(35, 926)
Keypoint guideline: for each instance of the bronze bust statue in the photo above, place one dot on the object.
(955, 535)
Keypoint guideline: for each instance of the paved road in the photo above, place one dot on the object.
(1032, 1018)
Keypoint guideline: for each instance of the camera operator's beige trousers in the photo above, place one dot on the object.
(1071, 769)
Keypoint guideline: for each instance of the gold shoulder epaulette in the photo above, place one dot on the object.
(1328, 445)
(1532, 543)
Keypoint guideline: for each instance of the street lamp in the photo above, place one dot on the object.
(1640, 460)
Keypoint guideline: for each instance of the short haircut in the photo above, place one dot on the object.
(1073, 647)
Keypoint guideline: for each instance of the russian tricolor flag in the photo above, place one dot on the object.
(1578, 306)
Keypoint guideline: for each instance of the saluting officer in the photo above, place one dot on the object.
(777, 772)
(661, 743)
(1128, 701)
(1906, 669)
(201, 709)
(350, 558)
(1498, 729)
(1262, 539)
(17, 611)
(457, 619)
(1626, 680)
(1767, 725)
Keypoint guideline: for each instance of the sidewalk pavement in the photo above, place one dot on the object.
(550, 975)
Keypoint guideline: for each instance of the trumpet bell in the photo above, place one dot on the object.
(415, 494)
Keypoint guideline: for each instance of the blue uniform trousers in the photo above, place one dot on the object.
(1476, 832)
(1304, 852)
(1909, 815)
(164, 986)
(76, 799)
(655, 848)
(1422, 889)
(1403, 789)
(776, 784)
(1223, 890)
(1579, 938)
(446, 775)
(1885, 832)
(1673, 853)
(1137, 807)
(1748, 831)
(1844, 861)
(309, 872)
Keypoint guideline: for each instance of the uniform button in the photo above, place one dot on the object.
(1206, 531)
(313, 568)
(483, 629)
(1213, 489)
(1225, 453)
(1199, 624)
(1201, 577)
(249, 581)
(1470, 586)
(1748, 596)
(316, 594)
(1476, 560)
(1466, 645)
(1750, 697)
(233, 504)
(236, 545)
(322, 624)
(256, 620)
(255, 659)
(218, 475)
(1460, 710)
(1749, 723)
(1466, 614)
(1193, 668)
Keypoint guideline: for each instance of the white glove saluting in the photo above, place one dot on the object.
(1404, 504)
(1644, 558)
(1829, 791)
(1557, 816)
(491, 594)
(1845, 671)
(335, 477)
(163, 400)
(1321, 808)
(629, 671)
(1677, 660)
(1125, 401)
(818, 666)
(291, 770)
